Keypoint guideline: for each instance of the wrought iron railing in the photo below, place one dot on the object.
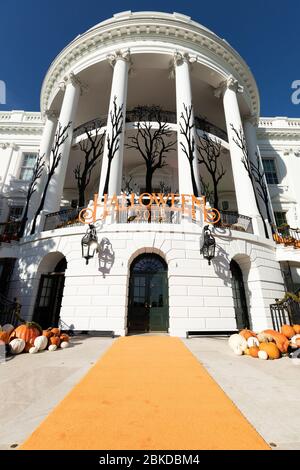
(9, 231)
(235, 221)
(285, 312)
(154, 215)
(149, 115)
(10, 311)
(285, 235)
(62, 218)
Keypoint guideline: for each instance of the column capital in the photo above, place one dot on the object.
(51, 114)
(14, 146)
(76, 82)
(180, 57)
(119, 54)
(230, 83)
(252, 119)
(4, 145)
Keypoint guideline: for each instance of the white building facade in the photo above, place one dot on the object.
(149, 273)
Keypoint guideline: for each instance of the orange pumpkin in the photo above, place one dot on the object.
(297, 329)
(55, 340)
(48, 333)
(288, 331)
(4, 336)
(253, 351)
(56, 331)
(28, 332)
(64, 337)
(271, 349)
(247, 333)
(281, 341)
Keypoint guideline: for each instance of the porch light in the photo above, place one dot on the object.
(89, 243)
(209, 245)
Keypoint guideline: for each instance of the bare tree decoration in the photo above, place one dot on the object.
(55, 157)
(164, 188)
(258, 173)
(150, 141)
(127, 187)
(92, 147)
(209, 151)
(206, 191)
(186, 126)
(113, 138)
(240, 141)
(36, 175)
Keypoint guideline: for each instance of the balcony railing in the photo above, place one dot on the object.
(9, 231)
(149, 115)
(63, 218)
(235, 221)
(285, 235)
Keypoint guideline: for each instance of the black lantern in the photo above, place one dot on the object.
(209, 245)
(89, 243)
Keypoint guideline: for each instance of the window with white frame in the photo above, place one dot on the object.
(280, 218)
(270, 170)
(15, 213)
(27, 166)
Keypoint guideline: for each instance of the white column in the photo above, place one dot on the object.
(250, 126)
(45, 149)
(6, 161)
(184, 98)
(120, 61)
(245, 197)
(67, 115)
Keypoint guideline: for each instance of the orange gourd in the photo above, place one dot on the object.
(64, 337)
(4, 336)
(271, 349)
(28, 332)
(48, 333)
(288, 331)
(55, 340)
(56, 331)
(247, 333)
(253, 351)
(297, 329)
(281, 341)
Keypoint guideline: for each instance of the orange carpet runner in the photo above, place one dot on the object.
(146, 392)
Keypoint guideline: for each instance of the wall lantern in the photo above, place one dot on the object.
(209, 245)
(89, 243)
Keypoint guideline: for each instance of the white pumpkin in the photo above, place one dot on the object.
(294, 339)
(17, 345)
(8, 327)
(252, 341)
(263, 355)
(236, 341)
(64, 345)
(41, 342)
(238, 351)
(52, 347)
(33, 350)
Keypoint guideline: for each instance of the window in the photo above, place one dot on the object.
(280, 218)
(270, 170)
(27, 166)
(15, 213)
(225, 205)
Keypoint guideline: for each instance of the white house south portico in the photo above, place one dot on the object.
(158, 116)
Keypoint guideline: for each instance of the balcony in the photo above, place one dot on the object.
(287, 236)
(154, 215)
(149, 116)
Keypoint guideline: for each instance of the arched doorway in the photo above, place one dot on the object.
(49, 297)
(148, 304)
(239, 296)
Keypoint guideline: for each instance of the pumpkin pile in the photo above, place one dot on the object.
(269, 344)
(29, 337)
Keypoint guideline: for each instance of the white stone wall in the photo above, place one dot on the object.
(200, 296)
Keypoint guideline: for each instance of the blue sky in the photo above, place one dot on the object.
(264, 32)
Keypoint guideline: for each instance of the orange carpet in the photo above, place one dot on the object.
(146, 392)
